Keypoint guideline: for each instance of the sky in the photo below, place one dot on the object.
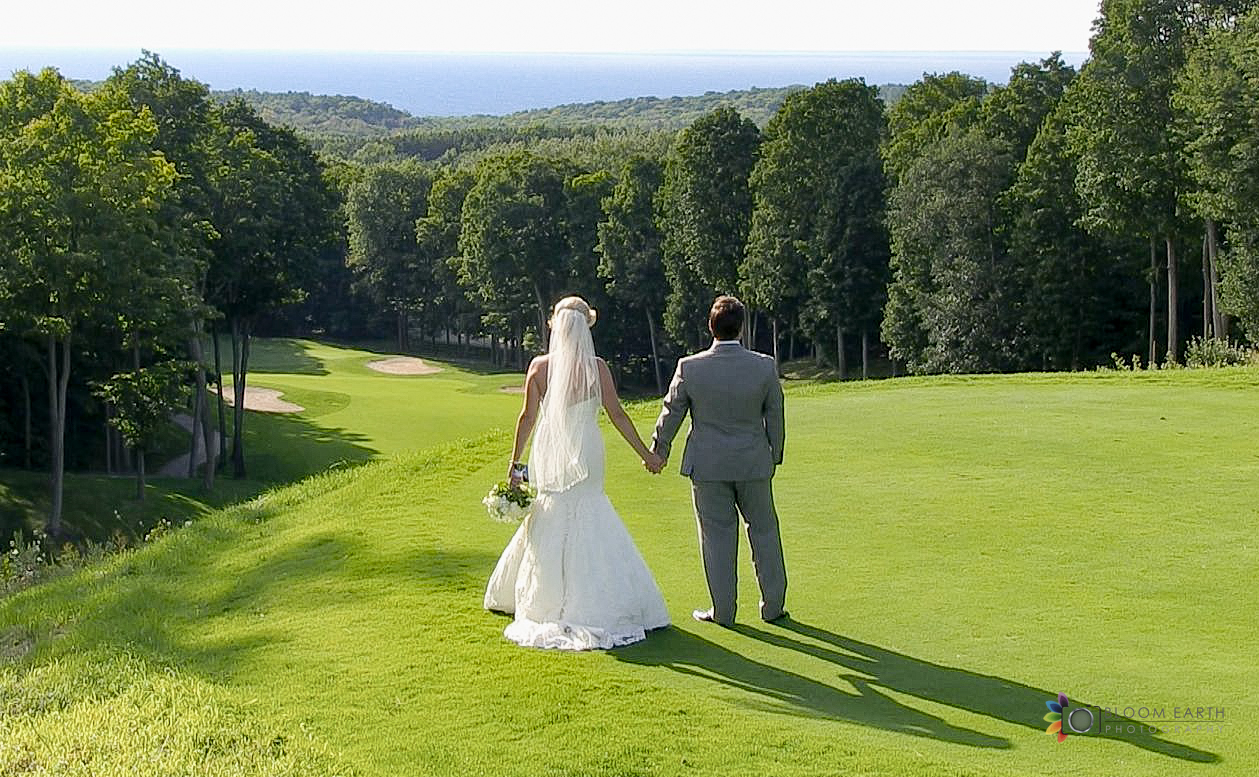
(553, 25)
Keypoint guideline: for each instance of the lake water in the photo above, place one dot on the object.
(428, 84)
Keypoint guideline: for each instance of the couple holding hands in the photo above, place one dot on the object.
(571, 576)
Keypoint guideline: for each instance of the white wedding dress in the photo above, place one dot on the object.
(571, 575)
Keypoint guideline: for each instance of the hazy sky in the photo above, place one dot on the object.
(554, 25)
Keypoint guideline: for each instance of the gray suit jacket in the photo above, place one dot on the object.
(736, 406)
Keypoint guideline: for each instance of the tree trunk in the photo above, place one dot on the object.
(865, 353)
(1173, 304)
(774, 333)
(26, 420)
(1153, 300)
(196, 423)
(841, 362)
(140, 474)
(1218, 321)
(1206, 291)
(109, 444)
(544, 334)
(791, 344)
(240, 331)
(655, 356)
(58, 383)
(218, 385)
(201, 412)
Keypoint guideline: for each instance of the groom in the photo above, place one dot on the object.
(735, 442)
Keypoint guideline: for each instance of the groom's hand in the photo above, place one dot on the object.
(654, 463)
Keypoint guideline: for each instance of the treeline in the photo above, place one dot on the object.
(335, 116)
(365, 132)
(1046, 223)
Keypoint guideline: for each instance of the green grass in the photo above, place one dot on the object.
(959, 551)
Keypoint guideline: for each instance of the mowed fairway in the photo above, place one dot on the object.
(959, 552)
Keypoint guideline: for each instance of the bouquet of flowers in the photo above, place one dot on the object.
(507, 503)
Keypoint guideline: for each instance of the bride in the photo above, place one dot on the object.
(571, 575)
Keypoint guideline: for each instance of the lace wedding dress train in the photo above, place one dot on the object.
(571, 575)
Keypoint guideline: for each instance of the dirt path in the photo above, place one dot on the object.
(178, 466)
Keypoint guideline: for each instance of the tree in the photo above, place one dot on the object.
(1076, 284)
(81, 187)
(1216, 99)
(512, 242)
(274, 211)
(382, 208)
(932, 108)
(951, 306)
(705, 209)
(1132, 175)
(817, 238)
(437, 241)
(144, 400)
(630, 247)
(186, 125)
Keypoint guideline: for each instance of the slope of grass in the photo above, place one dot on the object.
(959, 551)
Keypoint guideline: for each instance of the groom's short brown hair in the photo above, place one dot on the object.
(725, 320)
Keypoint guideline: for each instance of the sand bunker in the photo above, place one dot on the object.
(512, 389)
(403, 365)
(264, 400)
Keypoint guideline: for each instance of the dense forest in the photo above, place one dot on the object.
(1062, 220)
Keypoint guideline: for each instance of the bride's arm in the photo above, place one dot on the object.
(619, 418)
(528, 414)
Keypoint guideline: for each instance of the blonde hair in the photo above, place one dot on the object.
(578, 304)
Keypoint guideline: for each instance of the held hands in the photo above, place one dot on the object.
(653, 462)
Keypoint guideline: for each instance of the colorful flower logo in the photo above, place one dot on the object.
(1055, 715)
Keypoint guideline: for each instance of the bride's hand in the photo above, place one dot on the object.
(653, 463)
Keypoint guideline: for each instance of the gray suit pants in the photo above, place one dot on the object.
(718, 505)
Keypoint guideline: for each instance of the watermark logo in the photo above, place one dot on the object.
(1063, 719)
(1066, 719)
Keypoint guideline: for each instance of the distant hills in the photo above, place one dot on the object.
(341, 125)
(358, 118)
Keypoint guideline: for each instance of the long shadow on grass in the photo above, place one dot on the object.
(788, 692)
(994, 697)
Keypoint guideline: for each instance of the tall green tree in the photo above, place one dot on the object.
(274, 211)
(1078, 287)
(952, 306)
(932, 108)
(705, 211)
(382, 208)
(437, 239)
(631, 257)
(1217, 100)
(513, 241)
(81, 189)
(817, 238)
(1132, 177)
(186, 126)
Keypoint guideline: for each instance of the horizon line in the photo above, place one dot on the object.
(469, 52)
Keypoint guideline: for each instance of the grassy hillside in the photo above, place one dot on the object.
(960, 550)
